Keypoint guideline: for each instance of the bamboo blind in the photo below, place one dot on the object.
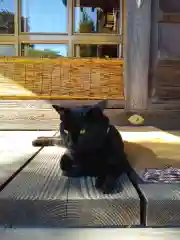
(61, 78)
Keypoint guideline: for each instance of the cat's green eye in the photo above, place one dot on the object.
(82, 131)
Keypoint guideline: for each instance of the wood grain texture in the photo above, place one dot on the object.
(150, 147)
(168, 79)
(154, 48)
(46, 198)
(39, 190)
(156, 116)
(137, 47)
(171, 6)
(169, 11)
(166, 61)
(15, 150)
(168, 40)
(169, 18)
(39, 115)
(89, 207)
(153, 148)
(140, 233)
(61, 78)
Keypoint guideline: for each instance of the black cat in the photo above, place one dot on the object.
(96, 148)
(72, 120)
(70, 125)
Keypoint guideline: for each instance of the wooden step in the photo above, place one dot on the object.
(153, 148)
(40, 196)
(15, 150)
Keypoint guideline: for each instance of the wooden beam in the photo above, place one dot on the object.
(63, 97)
(137, 48)
(154, 53)
(169, 18)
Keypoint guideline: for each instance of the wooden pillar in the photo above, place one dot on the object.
(136, 53)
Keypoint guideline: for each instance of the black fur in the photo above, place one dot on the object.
(72, 120)
(97, 149)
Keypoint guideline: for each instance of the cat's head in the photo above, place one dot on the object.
(96, 116)
(74, 118)
(68, 117)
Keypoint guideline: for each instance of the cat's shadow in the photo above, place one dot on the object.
(138, 154)
(152, 154)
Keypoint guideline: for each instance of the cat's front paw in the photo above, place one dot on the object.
(99, 182)
(109, 185)
(66, 163)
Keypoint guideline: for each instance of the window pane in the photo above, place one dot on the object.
(44, 16)
(7, 50)
(7, 10)
(101, 51)
(44, 50)
(97, 16)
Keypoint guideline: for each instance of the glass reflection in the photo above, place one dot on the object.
(7, 10)
(7, 50)
(97, 16)
(44, 16)
(44, 50)
(100, 51)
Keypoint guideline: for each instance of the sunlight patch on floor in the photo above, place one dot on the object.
(154, 136)
(9, 87)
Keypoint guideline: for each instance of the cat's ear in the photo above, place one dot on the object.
(60, 110)
(102, 105)
(94, 113)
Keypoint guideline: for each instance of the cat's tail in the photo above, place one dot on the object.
(48, 141)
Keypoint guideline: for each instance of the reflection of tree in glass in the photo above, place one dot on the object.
(86, 24)
(41, 53)
(7, 22)
(88, 50)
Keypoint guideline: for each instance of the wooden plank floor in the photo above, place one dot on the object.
(42, 197)
(38, 194)
(95, 234)
(27, 115)
(146, 147)
(149, 147)
(15, 150)
(153, 148)
(32, 114)
(39, 115)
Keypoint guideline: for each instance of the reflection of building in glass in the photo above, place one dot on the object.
(105, 16)
(42, 50)
(55, 25)
(7, 22)
(7, 50)
(100, 51)
(3, 29)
